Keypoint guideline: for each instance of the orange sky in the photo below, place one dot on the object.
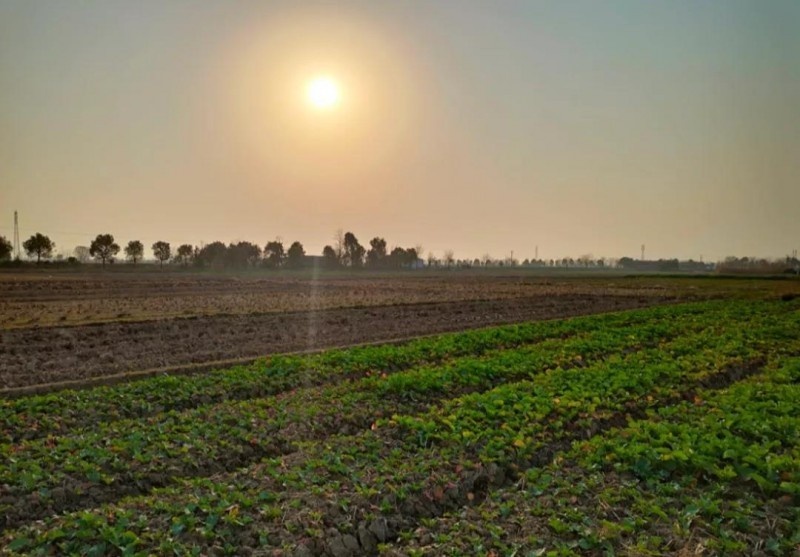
(482, 127)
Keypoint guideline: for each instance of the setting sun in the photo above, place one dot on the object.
(323, 92)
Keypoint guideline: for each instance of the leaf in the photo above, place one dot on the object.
(19, 543)
(97, 550)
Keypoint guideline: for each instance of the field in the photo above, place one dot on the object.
(671, 429)
(74, 329)
(45, 299)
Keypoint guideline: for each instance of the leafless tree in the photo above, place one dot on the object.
(449, 259)
(82, 254)
(586, 259)
(432, 261)
(338, 245)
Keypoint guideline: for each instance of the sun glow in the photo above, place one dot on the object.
(323, 92)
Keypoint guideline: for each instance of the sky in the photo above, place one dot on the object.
(581, 127)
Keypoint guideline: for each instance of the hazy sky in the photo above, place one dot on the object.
(485, 126)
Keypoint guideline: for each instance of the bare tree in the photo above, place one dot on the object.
(432, 261)
(449, 259)
(420, 250)
(82, 254)
(338, 245)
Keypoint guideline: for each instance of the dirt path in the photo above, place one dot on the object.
(54, 354)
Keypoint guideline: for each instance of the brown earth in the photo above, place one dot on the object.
(82, 326)
(33, 356)
(38, 300)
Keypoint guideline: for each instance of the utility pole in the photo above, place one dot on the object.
(642, 252)
(537, 253)
(16, 236)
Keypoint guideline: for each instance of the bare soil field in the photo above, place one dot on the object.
(63, 299)
(82, 327)
(55, 354)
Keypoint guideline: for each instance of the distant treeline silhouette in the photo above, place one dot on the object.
(347, 252)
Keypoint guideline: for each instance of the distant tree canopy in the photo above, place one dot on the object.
(162, 252)
(185, 254)
(400, 257)
(134, 251)
(103, 248)
(756, 265)
(330, 258)
(661, 265)
(211, 255)
(5, 249)
(39, 245)
(243, 254)
(82, 254)
(274, 254)
(353, 251)
(377, 252)
(347, 251)
(295, 255)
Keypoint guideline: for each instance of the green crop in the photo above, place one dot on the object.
(645, 432)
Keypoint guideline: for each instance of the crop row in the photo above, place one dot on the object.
(365, 488)
(48, 475)
(58, 413)
(43, 476)
(718, 474)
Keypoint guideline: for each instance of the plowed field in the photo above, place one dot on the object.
(666, 430)
(88, 328)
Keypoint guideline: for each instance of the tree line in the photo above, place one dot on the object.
(346, 252)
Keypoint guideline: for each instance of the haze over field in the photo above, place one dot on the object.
(482, 127)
